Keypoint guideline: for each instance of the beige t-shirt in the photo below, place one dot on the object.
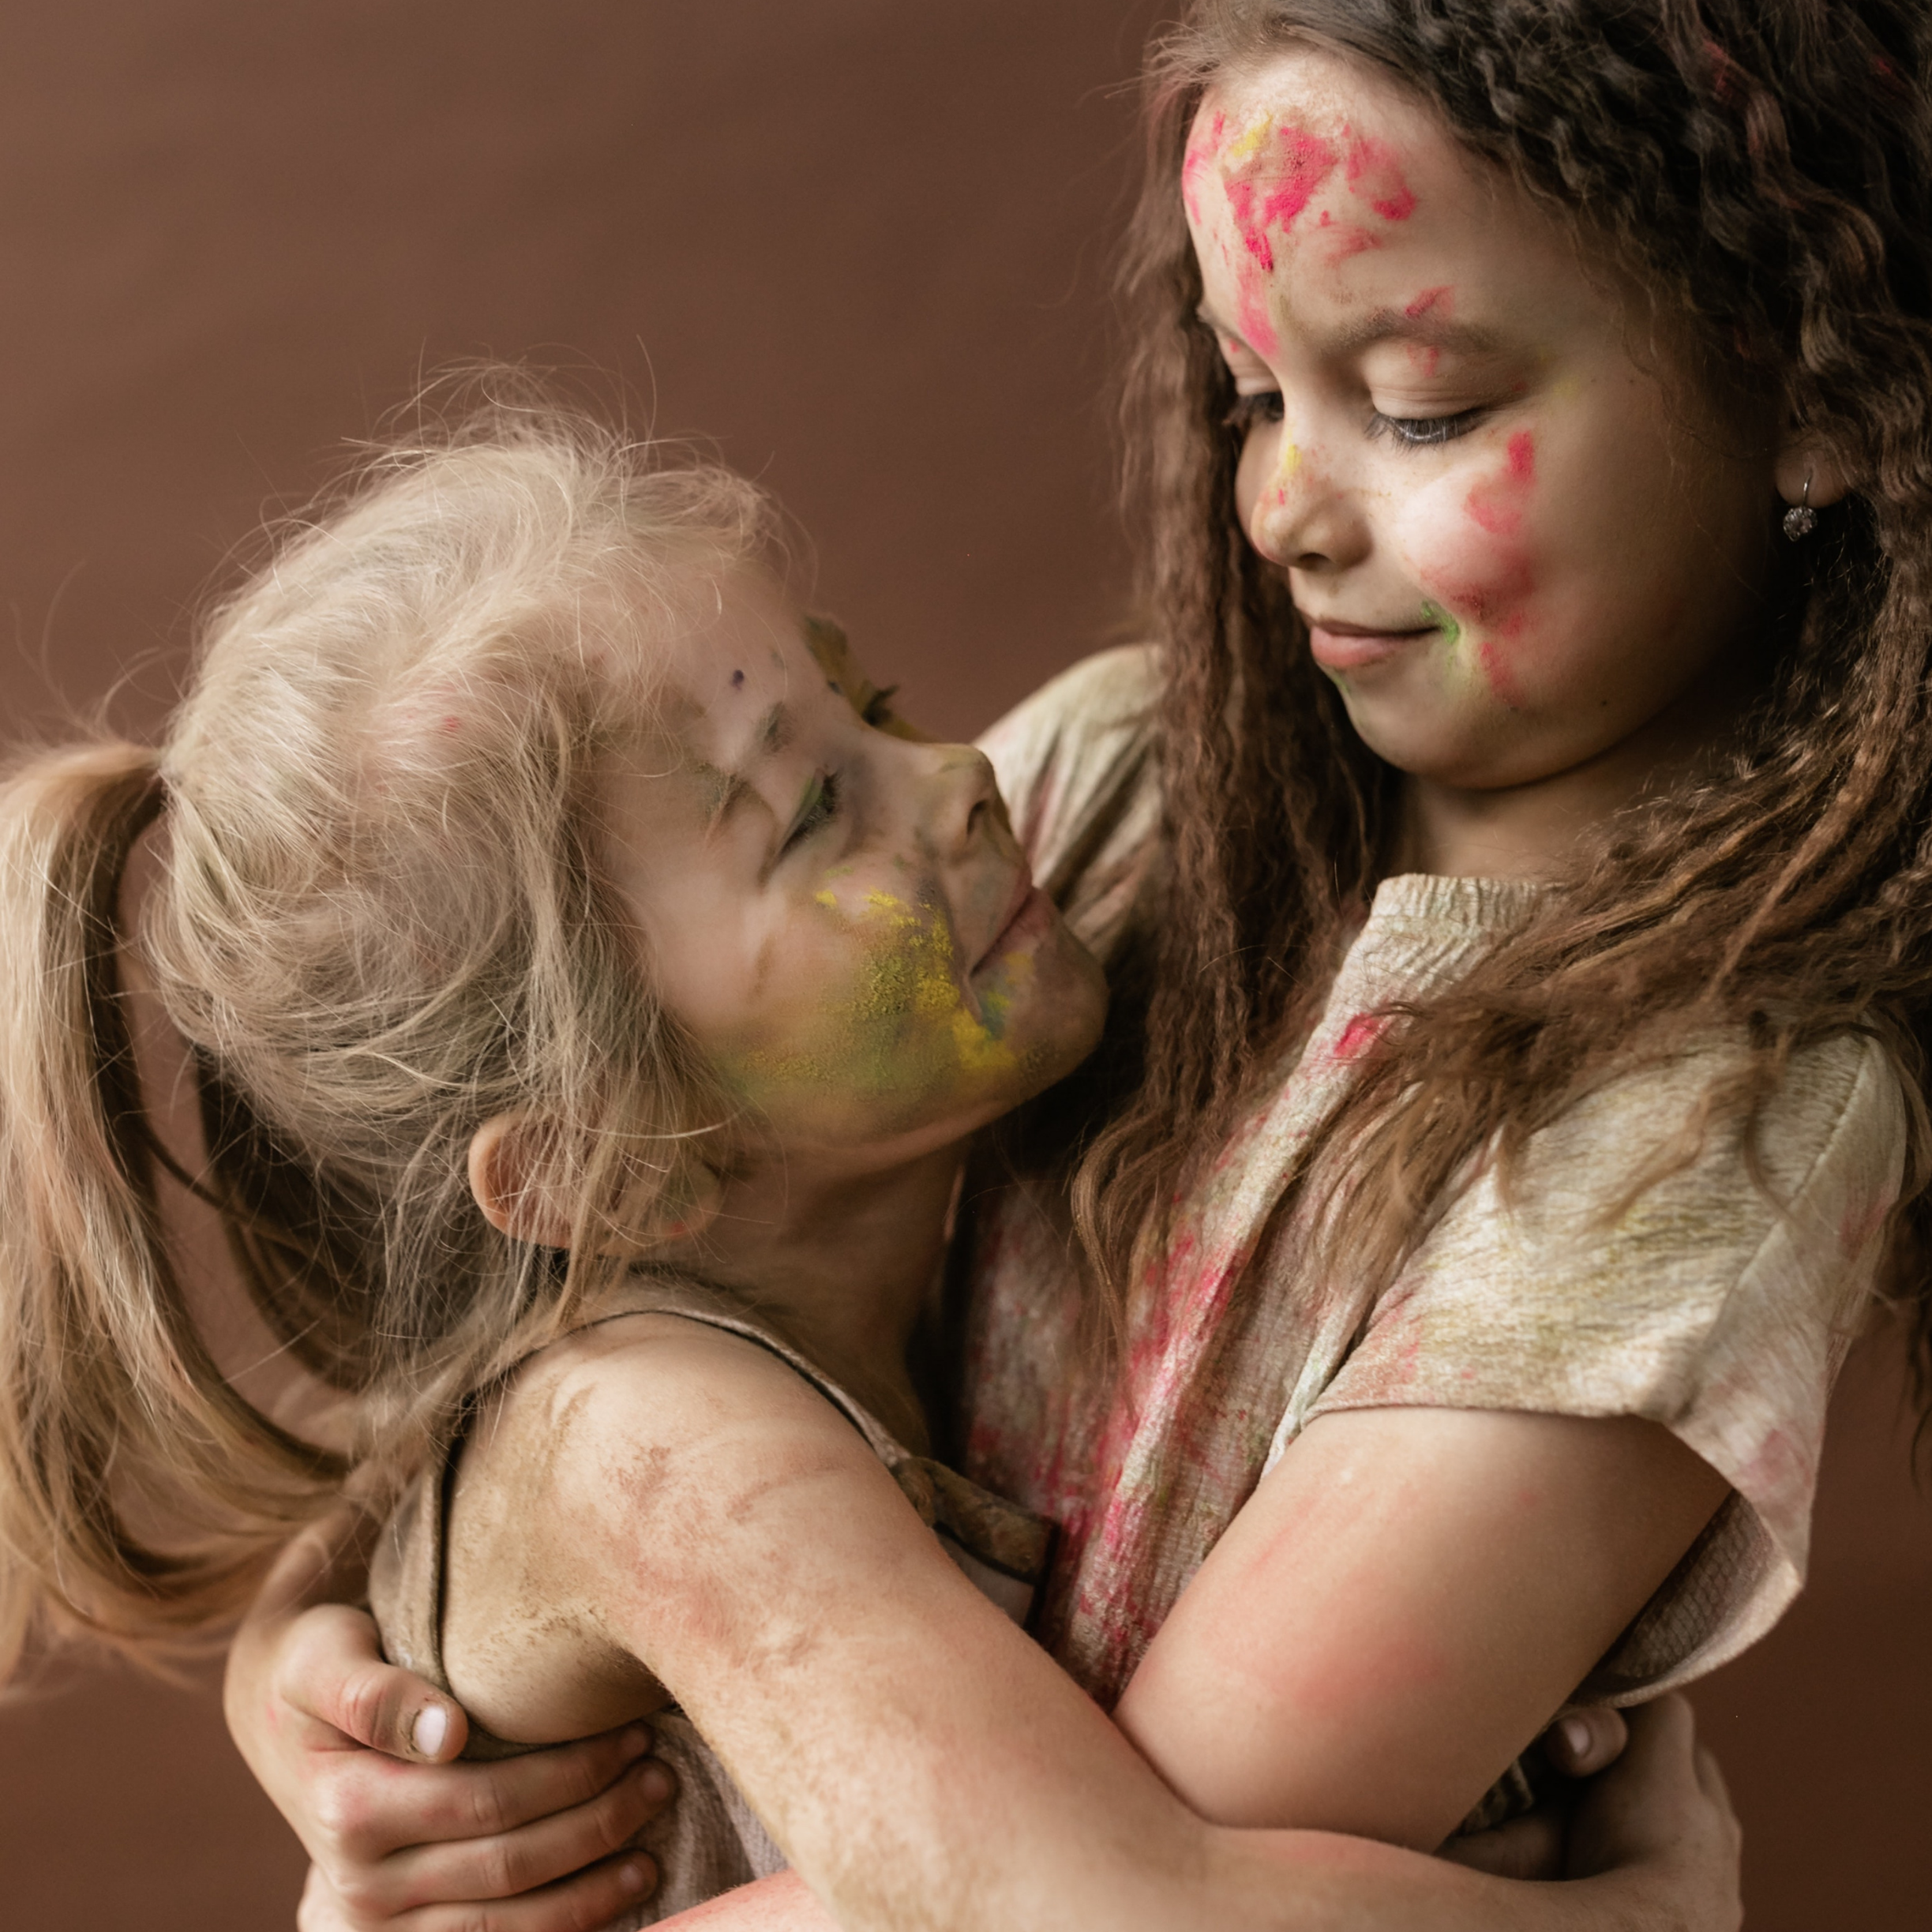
(1716, 1306)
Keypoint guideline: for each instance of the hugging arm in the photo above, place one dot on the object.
(399, 1836)
(921, 1762)
(1655, 1843)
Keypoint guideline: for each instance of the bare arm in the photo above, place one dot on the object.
(1400, 1608)
(887, 1723)
(1654, 1847)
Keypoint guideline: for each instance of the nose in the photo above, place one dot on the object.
(1302, 515)
(963, 797)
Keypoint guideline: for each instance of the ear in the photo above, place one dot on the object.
(507, 1178)
(1801, 458)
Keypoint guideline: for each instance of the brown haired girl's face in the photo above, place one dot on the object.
(842, 918)
(1520, 539)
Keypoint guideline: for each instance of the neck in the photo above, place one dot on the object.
(842, 1262)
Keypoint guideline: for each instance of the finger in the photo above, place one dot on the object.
(1711, 1785)
(333, 1672)
(1530, 1847)
(401, 1837)
(1583, 1743)
(505, 1864)
(587, 1901)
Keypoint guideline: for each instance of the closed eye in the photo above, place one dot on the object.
(1245, 411)
(819, 808)
(1420, 432)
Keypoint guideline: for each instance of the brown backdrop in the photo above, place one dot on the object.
(862, 245)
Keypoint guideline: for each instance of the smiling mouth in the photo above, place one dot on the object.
(1338, 646)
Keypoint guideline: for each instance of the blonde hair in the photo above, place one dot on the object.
(379, 920)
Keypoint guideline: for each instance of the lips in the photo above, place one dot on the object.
(1026, 900)
(1340, 646)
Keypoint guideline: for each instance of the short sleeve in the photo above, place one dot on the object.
(1718, 1300)
(1076, 766)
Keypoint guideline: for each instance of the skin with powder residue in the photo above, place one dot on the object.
(904, 1029)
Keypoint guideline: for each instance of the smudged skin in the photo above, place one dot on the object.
(1540, 555)
(840, 917)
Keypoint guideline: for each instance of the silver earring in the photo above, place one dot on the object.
(1801, 519)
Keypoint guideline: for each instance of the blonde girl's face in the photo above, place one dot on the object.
(1518, 543)
(842, 918)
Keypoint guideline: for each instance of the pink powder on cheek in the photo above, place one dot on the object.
(1497, 503)
(1491, 653)
(1374, 175)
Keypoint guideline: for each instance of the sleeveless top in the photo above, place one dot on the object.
(708, 1839)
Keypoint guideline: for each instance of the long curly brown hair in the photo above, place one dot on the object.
(1764, 168)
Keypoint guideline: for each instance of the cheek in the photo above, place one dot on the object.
(1470, 539)
(874, 1032)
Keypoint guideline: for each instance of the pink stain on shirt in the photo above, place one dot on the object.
(1360, 1035)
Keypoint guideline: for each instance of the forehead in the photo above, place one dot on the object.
(1321, 179)
(734, 640)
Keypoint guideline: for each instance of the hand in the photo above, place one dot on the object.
(427, 1845)
(1656, 1832)
(1536, 1844)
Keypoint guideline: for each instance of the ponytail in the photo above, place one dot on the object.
(140, 1496)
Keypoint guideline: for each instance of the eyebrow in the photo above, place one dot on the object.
(773, 734)
(1388, 325)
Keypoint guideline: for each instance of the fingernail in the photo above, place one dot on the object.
(630, 1877)
(431, 1726)
(655, 1782)
(636, 1741)
(1577, 1735)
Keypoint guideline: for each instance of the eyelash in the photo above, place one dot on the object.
(819, 812)
(1420, 432)
(1413, 432)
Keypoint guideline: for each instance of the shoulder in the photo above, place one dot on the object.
(660, 1421)
(1097, 707)
(1076, 766)
(640, 1479)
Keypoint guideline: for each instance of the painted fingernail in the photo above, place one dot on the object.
(1577, 1735)
(655, 1782)
(431, 1726)
(631, 1876)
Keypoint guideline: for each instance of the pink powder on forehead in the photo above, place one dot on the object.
(1374, 175)
(1288, 176)
(1430, 298)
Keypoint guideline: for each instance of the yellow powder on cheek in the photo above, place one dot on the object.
(904, 1032)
